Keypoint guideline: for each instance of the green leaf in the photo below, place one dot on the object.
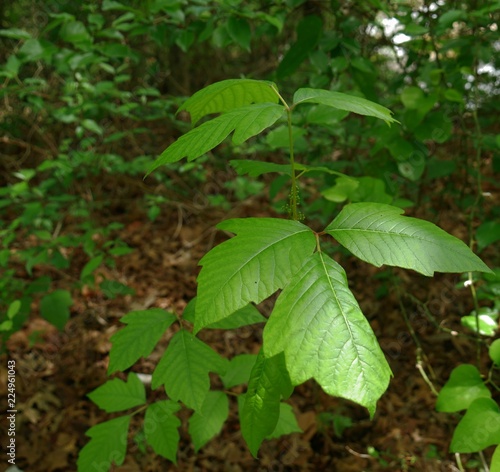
(260, 260)
(161, 428)
(245, 316)
(494, 351)
(378, 234)
(287, 422)
(487, 233)
(239, 30)
(108, 445)
(90, 266)
(239, 369)
(260, 407)
(319, 326)
(13, 309)
(342, 101)
(487, 321)
(495, 461)
(463, 387)
(15, 33)
(54, 307)
(256, 168)
(75, 32)
(309, 32)
(245, 122)
(117, 395)
(479, 428)
(184, 368)
(138, 339)
(229, 95)
(207, 422)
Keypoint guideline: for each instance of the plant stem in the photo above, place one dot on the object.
(293, 194)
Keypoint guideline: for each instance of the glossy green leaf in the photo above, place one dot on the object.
(207, 422)
(260, 407)
(479, 428)
(90, 267)
(245, 122)
(319, 326)
(257, 262)
(378, 234)
(184, 367)
(229, 95)
(239, 369)
(342, 101)
(287, 422)
(54, 307)
(117, 395)
(108, 445)
(161, 428)
(463, 387)
(138, 339)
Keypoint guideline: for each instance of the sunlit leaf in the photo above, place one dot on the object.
(479, 428)
(257, 262)
(463, 387)
(378, 234)
(319, 326)
(342, 101)
(228, 95)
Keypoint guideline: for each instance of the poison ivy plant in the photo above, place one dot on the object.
(479, 428)
(316, 329)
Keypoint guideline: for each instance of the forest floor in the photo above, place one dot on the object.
(56, 370)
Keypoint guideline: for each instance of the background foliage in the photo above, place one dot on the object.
(89, 95)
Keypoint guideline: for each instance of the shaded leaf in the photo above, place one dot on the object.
(319, 326)
(207, 422)
(260, 407)
(309, 32)
(161, 428)
(257, 262)
(117, 395)
(108, 445)
(138, 339)
(239, 369)
(378, 234)
(245, 122)
(239, 30)
(184, 367)
(287, 422)
(54, 307)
